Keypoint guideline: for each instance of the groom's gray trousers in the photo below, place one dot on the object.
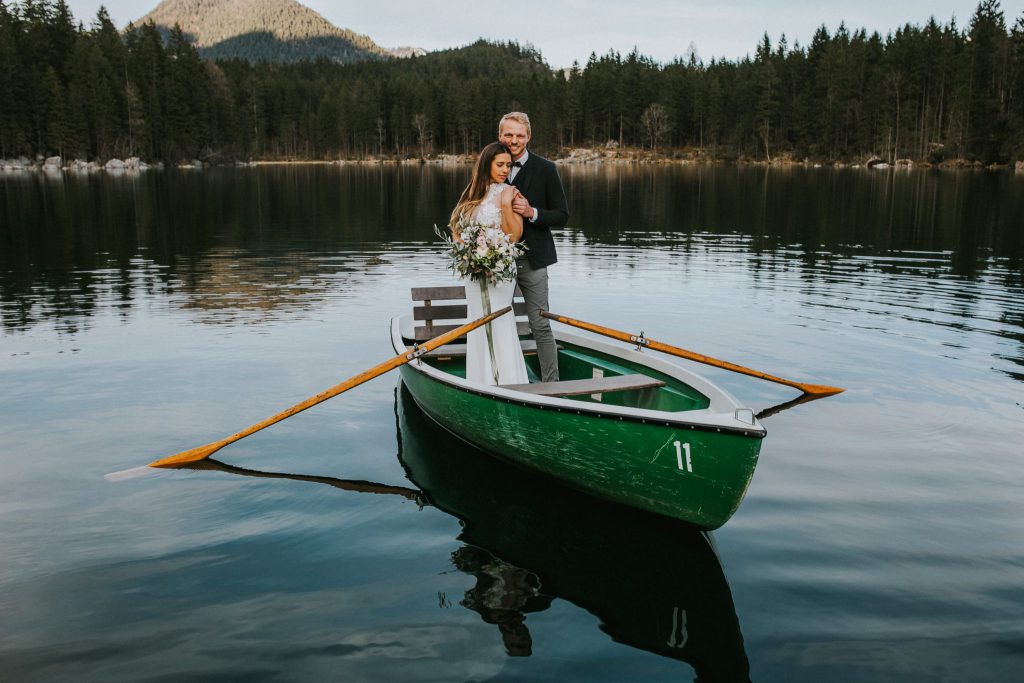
(534, 283)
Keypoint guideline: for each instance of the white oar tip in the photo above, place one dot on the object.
(133, 473)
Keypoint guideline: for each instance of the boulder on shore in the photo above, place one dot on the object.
(19, 164)
(1019, 167)
(52, 163)
(115, 165)
(83, 165)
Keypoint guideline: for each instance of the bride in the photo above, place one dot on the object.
(493, 354)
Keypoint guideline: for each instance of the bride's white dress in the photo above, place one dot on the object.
(493, 353)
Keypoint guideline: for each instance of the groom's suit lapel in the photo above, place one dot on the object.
(525, 175)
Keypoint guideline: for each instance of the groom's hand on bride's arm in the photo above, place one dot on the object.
(521, 206)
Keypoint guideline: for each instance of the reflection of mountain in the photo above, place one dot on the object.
(226, 285)
(655, 584)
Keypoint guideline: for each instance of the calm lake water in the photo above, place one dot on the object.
(881, 538)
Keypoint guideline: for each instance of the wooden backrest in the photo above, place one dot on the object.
(427, 309)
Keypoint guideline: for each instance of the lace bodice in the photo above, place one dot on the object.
(489, 211)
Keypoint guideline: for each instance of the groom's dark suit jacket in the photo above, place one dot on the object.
(539, 182)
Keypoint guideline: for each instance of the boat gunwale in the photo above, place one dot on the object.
(680, 419)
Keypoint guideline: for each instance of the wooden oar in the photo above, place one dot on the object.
(816, 390)
(209, 449)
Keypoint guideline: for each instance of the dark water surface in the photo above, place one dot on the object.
(881, 538)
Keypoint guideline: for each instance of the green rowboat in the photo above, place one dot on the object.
(623, 424)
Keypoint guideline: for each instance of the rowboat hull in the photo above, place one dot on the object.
(692, 465)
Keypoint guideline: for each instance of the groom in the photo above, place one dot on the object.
(541, 203)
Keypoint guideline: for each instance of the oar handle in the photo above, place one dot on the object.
(202, 452)
(640, 340)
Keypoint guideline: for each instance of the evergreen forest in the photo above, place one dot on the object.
(933, 92)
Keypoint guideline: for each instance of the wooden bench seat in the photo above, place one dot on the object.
(597, 385)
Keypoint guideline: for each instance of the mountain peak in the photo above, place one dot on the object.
(263, 30)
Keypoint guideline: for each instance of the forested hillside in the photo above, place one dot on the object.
(238, 29)
(923, 92)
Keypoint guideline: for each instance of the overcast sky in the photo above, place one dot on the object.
(567, 30)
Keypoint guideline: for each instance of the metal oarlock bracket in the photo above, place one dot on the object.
(639, 341)
(417, 351)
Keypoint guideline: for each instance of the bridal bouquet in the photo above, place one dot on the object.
(484, 252)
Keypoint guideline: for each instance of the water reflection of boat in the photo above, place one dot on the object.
(655, 583)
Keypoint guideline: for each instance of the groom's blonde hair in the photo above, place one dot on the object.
(519, 117)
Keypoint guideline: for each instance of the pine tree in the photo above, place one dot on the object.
(988, 65)
(56, 114)
(12, 130)
(767, 93)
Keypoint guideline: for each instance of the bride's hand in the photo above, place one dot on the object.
(507, 196)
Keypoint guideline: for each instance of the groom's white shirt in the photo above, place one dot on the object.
(516, 169)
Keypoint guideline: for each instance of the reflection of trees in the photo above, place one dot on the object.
(245, 241)
(1015, 322)
(933, 247)
(252, 241)
(222, 286)
(842, 211)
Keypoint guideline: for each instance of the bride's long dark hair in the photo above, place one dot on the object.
(478, 183)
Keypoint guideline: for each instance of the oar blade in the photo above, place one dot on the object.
(191, 455)
(820, 390)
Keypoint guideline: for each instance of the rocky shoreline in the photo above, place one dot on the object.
(58, 165)
(610, 154)
(613, 155)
